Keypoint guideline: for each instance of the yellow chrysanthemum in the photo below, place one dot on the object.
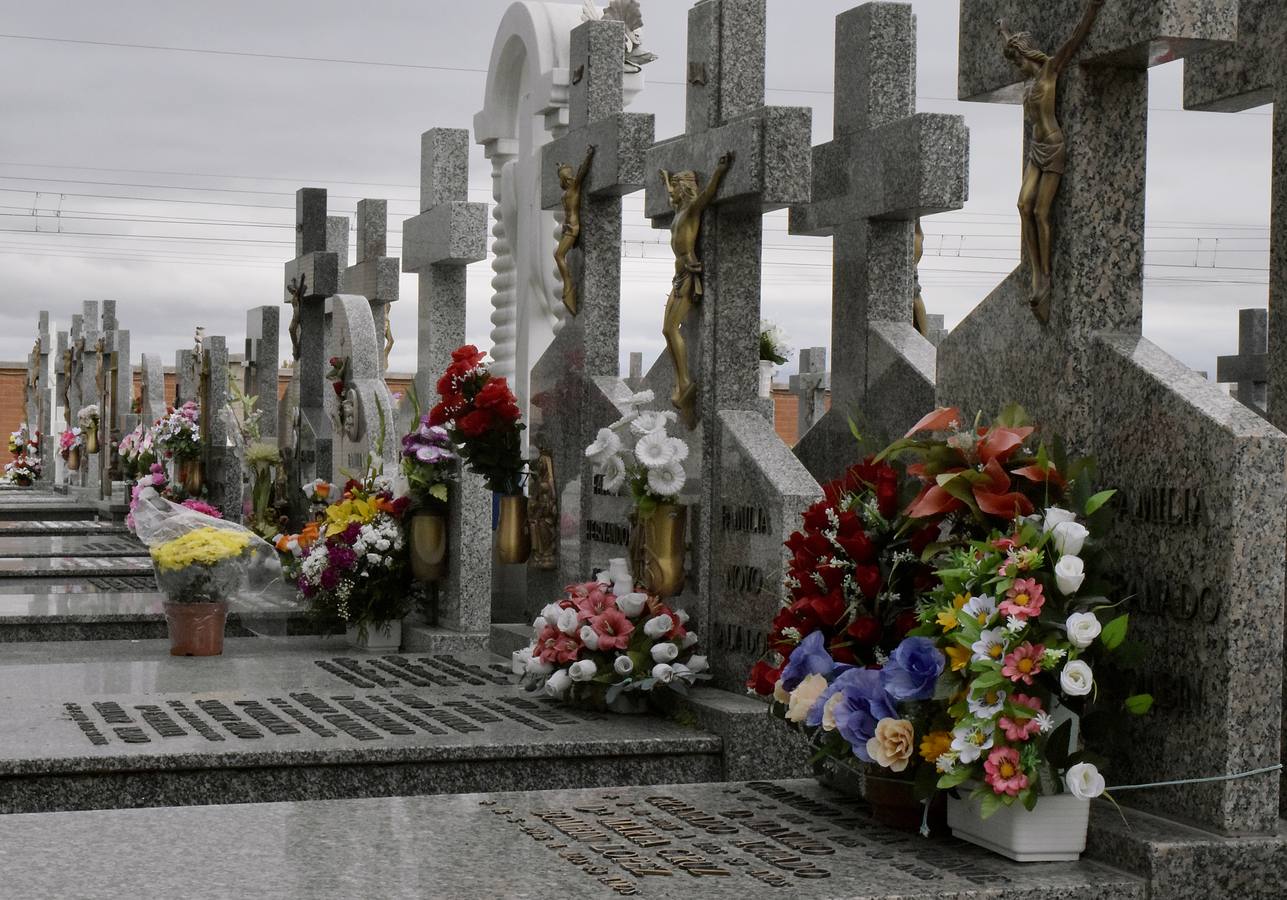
(960, 657)
(935, 744)
(201, 547)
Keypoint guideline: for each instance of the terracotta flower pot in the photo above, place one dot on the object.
(196, 629)
(428, 539)
(513, 538)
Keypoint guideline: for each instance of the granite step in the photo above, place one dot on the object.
(712, 841)
(63, 527)
(74, 545)
(122, 724)
(94, 584)
(74, 567)
(118, 615)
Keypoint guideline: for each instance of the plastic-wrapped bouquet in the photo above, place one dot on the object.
(609, 646)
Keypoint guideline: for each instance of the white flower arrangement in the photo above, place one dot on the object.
(653, 467)
(88, 417)
(773, 343)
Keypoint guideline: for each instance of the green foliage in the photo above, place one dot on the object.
(1139, 704)
(1098, 500)
(1115, 632)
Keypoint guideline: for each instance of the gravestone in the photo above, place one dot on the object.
(1251, 73)
(88, 362)
(575, 385)
(1200, 526)
(360, 409)
(1249, 370)
(151, 388)
(437, 245)
(375, 276)
(810, 387)
(222, 466)
(123, 396)
(38, 409)
(634, 376)
(750, 490)
(887, 166)
(262, 362)
(187, 377)
(304, 430)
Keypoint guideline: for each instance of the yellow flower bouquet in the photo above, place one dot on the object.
(203, 565)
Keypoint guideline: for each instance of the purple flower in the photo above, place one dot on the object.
(810, 657)
(865, 704)
(341, 557)
(351, 533)
(912, 670)
(330, 579)
(306, 587)
(431, 454)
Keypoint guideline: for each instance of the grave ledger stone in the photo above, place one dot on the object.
(886, 166)
(575, 385)
(751, 490)
(1200, 517)
(438, 244)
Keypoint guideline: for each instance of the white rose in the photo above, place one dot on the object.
(682, 616)
(690, 640)
(568, 621)
(1056, 516)
(582, 670)
(631, 605)
(1070, 572)
(1069, 537)
(664, 653)
(698, 664)
(539, 667)
(551, 612)
(558, 684)
(1084, 781)
(663, 672)
(622, 665)
(518, 660)
(1083, 628)
(682, 672)
(1076, 679)
(589, 638)
(658, 625)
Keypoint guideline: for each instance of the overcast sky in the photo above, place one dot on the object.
(165, 179)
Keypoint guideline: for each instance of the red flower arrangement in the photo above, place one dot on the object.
(482, 414)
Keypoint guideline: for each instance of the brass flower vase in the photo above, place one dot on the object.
(664, 550)
(513, 537)
(189, 475)
(428, 540)
(73, 459)
(91, 439)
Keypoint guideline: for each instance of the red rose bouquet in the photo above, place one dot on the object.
(482, 415)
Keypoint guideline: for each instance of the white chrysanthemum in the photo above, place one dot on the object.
(667, 481)
(681, 449)
(614, 474)
(641, 398)
(655, 450)
(606, 443)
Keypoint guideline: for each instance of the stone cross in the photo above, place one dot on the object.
(575, 382)
(635, 372)
(448, 235)
(1249, 370)
(738, 461)
(62, 377)
(151, 388)
(222, 467)
(886, 166)
(262, 363)
(47, 401)
(307, 431)
(811, 387)
(375, 276)
(185, 377)
(1200, 477)
(1252, 73)
(88, 361)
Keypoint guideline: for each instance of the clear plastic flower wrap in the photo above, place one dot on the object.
(200, 559)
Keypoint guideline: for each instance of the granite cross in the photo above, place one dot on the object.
(575, 384)
(262, 362)
(222, 467)
(375, 275)
(448, 235)
(310, 278)
(1249, 370)
(739, 462)
(1199, 476)
(1252, 73)
(811, 386)
(886, 166)
(151, 388)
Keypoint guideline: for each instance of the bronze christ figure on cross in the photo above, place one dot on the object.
(1048, 153)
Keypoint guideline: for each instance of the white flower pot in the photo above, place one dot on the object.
(766, 378)
(380, 636)
(1055, 830)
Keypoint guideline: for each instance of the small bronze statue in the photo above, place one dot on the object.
(388, 333)
(543, 514)
(686, 290)
(920, 318)
(297, 288)
(571, 182)
(1048, 151)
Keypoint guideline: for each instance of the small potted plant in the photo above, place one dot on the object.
(606, 646)
(774, 351)
(87, 419)
(200, 571)
(652, 466)
(429, 464)
(481, 414)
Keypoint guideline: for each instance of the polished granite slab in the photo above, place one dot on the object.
(738, 840)
(24, 527)
(31, 586)
(73, 566)
(302, 719)
(74, 545)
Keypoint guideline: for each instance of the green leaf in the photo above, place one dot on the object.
(987, 680)
(1028, 797)
(1095, 502)
(957, 776)
(1139, 704)
(988, 805)
(439, 492)
(1115, 632)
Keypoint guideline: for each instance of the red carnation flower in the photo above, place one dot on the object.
(865, 631)
(475, 424)
(869, 580)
